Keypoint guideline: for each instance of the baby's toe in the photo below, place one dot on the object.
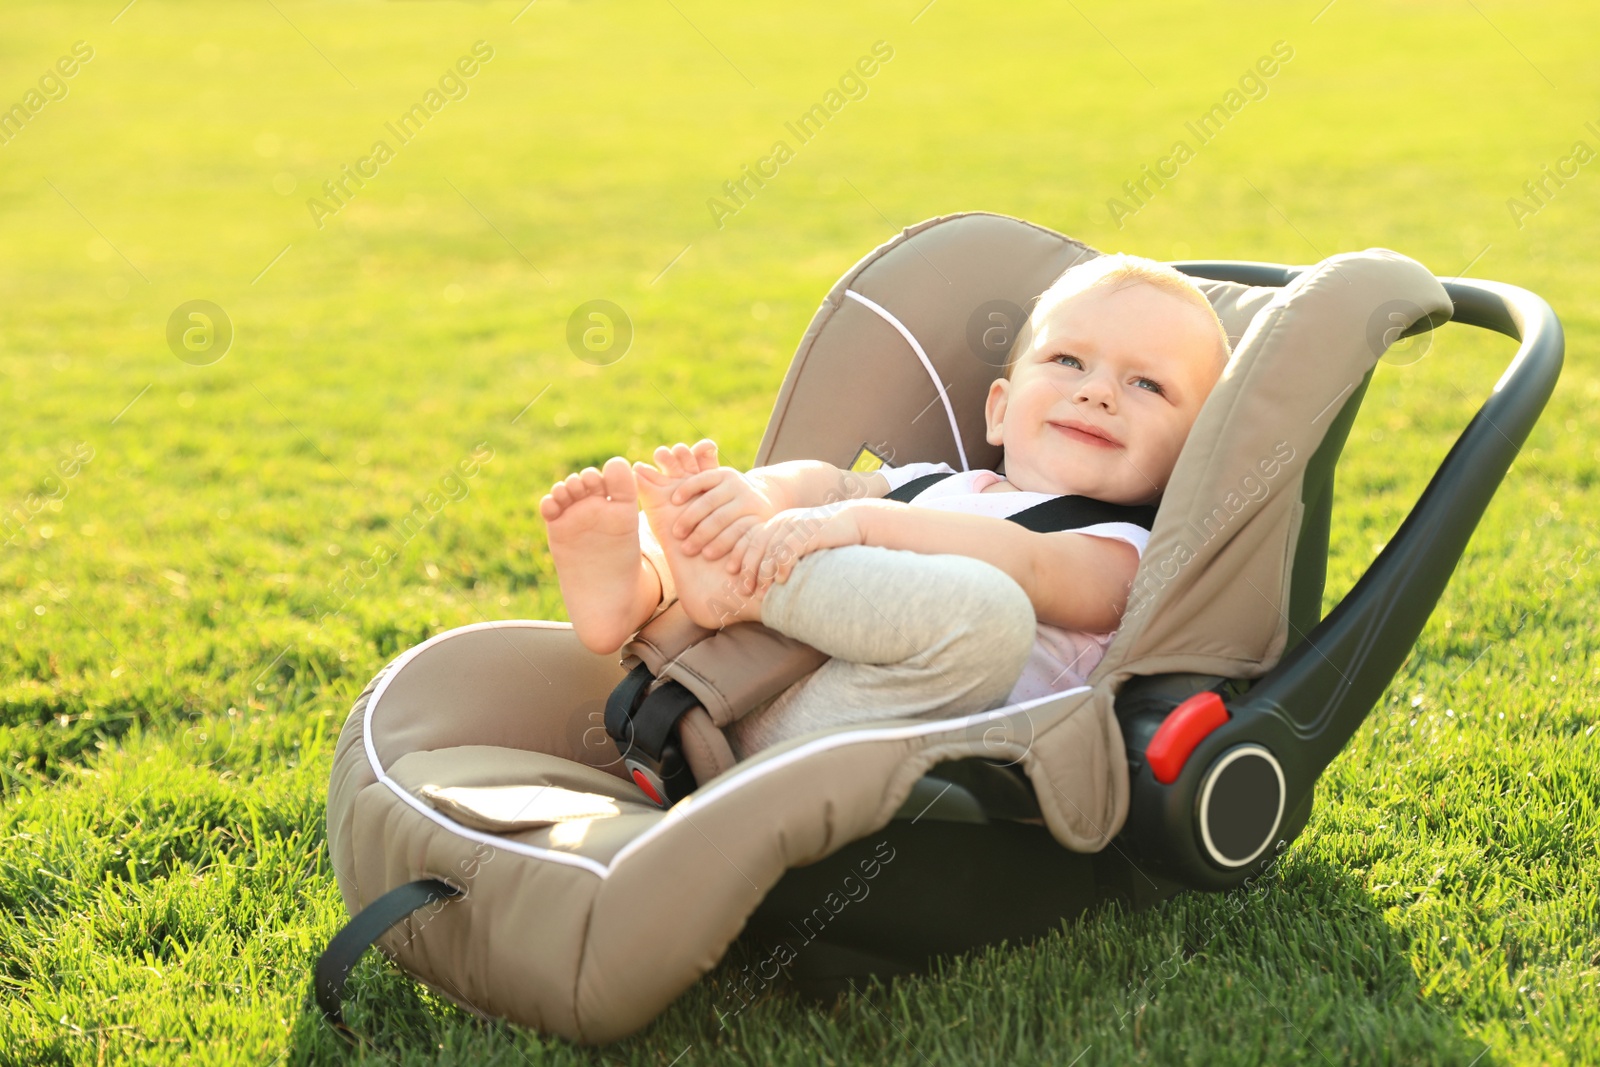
(650, 483)
(705, 454)
(618, 479)
(667, 461)
(688, 463)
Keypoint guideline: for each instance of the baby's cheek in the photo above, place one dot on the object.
(1164, 456)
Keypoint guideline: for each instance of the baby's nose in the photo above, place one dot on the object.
(1095, 389)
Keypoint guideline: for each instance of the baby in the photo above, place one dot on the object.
(938, 608)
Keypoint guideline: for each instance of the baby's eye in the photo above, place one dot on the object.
(1074, 360)
(1155, 386)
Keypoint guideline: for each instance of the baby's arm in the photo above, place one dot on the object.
(1076, 581)
(809, 483)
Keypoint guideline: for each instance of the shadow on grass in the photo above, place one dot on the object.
(1300, 969)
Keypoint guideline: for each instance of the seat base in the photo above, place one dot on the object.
(892, 902)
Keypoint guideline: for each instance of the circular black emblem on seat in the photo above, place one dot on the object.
(1241, 805)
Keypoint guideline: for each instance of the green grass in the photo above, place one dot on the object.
(177, 659)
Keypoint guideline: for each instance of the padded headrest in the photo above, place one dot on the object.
(956, 286)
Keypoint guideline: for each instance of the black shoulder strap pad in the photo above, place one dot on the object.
(1061, 513)
(915, 486)
(1076, 512)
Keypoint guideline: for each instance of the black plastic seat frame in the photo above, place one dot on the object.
(974, 864)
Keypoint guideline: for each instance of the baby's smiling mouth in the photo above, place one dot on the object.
(1088, 435)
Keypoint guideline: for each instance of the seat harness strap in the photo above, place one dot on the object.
(1060, 513)
(640, 720)
(334, 965)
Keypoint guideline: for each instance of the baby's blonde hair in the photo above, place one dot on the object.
(1116, 269)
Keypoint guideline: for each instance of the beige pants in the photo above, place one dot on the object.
(911, 636)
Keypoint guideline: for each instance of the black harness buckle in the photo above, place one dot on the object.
(641, 720)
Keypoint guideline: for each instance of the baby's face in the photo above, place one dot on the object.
(1133, 363)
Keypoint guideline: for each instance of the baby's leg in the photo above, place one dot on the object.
(912, 636)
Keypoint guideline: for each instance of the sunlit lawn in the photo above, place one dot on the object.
(189, 603)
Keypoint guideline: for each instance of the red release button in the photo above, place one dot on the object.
(1184, 728)
(642, 782)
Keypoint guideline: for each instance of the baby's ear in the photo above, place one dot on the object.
(994, 409)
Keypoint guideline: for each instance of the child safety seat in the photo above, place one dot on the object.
(488, 836)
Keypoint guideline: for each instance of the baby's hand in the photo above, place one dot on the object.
(722, 504)
(771, 549)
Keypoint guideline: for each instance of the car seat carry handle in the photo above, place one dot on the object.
(1276, 737)
(371, 923)
(1323, 688)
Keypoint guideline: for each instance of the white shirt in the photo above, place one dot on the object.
(1061, 659)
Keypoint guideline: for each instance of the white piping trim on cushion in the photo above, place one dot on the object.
(427, 812)
(677, 812)
(927, 365)
(696, 800)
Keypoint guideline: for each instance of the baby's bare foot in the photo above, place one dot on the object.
(706, 589)
(593, 520)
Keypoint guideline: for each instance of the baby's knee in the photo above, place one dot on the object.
(997, 618)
